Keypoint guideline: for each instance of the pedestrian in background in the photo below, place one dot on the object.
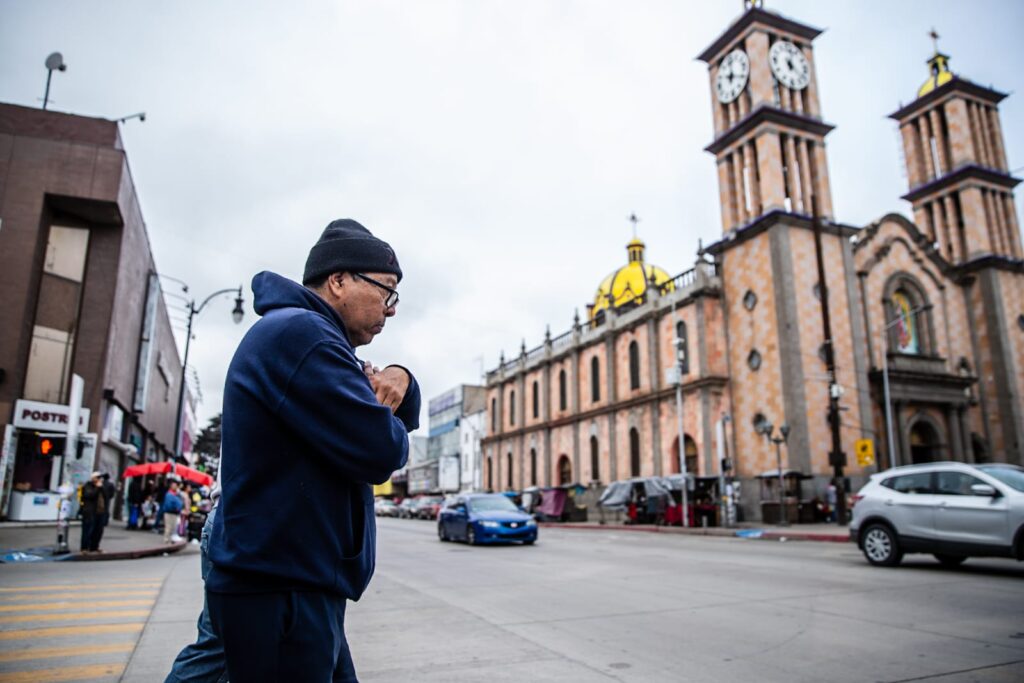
(307, 427)
(171, 509)
(93, 506)
(109, 492)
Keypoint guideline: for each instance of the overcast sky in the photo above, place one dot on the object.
(499, 146)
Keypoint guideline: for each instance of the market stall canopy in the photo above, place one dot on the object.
(774, 474)
(182, 471)
(619, 493)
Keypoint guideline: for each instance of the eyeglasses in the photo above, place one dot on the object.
(391, 299)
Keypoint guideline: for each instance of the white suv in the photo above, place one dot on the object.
(949, 509)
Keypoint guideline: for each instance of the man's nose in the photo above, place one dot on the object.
(390, 311)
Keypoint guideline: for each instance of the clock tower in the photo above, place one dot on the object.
(769, 148)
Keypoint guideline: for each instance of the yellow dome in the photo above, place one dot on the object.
(628, 282)
(939, 65)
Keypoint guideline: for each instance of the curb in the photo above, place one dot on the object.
(125, 555)
(745, 533)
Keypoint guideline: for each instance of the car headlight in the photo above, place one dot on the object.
(490, 525)
(531, 522)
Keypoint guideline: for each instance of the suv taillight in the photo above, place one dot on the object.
(854, 498)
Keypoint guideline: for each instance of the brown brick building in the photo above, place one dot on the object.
(80, 296)
(937, 303)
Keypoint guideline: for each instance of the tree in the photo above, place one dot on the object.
(207, 446)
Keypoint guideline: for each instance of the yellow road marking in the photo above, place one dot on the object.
(79, 596)
(150, 583)
(78, 616)
(48, 652)
(57, 631)
(42, 606)
(64, 673)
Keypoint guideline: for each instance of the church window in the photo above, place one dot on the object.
(906, 327)
(508, 459)
(908, 318)
(683, 348)
(512, 407)
(749, 300)
(564, 471)
(533, 467)
(595, 464)
(1020, 321)
(634, 452)
(634, 365)
(562, 403)
(536, 399)
(754, 360)
(595, 380)
(494, 415)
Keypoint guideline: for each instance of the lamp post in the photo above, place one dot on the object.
(766, 427)
(55, 62)
(236, 314)
(680, 362)
(885, 381)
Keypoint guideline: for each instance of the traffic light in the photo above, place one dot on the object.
(48, 446)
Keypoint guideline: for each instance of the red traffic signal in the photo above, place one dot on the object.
(49, 446)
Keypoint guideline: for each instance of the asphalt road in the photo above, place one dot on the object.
(623, 606)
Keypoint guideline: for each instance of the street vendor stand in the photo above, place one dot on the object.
(792, 497)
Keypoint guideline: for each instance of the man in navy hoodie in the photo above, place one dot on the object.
(307, 428)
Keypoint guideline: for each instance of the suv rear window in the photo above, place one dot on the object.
(920, 482)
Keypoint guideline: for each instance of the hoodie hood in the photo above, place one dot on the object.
(271, 291)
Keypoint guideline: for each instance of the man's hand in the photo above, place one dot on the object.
(390, 385)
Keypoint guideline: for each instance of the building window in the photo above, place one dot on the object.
(595, 380)
(48, 374)
(512, 407)
(533, 467)
(595, 462)
(562, 402)
(508, 460)
(494, 415)
(490, 474)
(634, 365)
(564, 471)
(690, 453)
(749, 300)
(754, 360)
(634, 452)
(682, 342)
(536, 399)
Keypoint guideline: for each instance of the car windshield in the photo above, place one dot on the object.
(492, 504)
(1011, 476)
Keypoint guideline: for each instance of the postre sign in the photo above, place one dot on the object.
(47, 416)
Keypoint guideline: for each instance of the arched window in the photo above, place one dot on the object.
(564, 471)
(595, 462)
(634, 365)
(690, 448)
(634, 452)
(682, 342)
(536, 399)
(512, 407)
(533, 467)
(494, 415)
(908, 317)
(562, 402)
(490, 474)
(595, 379)
(509, 461)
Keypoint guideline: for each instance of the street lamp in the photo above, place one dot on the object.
(55, 62)
(885, 380)
(237, 314)
(680, 363)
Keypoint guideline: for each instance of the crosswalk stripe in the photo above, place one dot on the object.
(76, 596)
(150, 583)
(50, 652)
(46, 606)
(64, 673)
(57, 631)
(21, 619)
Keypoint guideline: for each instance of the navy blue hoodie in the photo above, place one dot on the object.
(303, 438)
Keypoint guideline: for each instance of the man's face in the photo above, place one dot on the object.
(360, 303)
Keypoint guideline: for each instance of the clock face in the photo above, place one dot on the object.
(732, 76)
(789, 65)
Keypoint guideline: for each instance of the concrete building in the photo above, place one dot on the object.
(453, 445)
(81, 296)
(925, 317)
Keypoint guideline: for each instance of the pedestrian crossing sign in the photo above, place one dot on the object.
(865, 449)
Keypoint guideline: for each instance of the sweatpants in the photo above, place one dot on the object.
(284, 636)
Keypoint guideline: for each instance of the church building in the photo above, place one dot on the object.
(902, 340)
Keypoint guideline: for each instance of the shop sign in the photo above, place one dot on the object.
(47, 416)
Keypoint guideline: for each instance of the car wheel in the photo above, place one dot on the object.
(470, 535)
(950, 560)
(881, 548)
(441, 532)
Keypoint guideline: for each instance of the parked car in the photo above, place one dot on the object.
(949, 509)
(407, 508)
(428, 507)
(385, 507)
(486, 518)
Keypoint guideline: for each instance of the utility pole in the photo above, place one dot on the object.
(836, 456)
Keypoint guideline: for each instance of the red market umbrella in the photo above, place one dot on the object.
(182, 471)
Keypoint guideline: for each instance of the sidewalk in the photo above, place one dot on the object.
(38, 540)
(768, 532)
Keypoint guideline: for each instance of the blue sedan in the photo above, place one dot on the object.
(485, 518)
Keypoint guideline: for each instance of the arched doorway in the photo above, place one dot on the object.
(978, 446)
(564, 471)
(925, 445)
(690, 453)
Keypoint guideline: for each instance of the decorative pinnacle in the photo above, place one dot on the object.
(547, 333)
(935, 39)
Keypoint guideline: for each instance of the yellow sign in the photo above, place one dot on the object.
(865, 449)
